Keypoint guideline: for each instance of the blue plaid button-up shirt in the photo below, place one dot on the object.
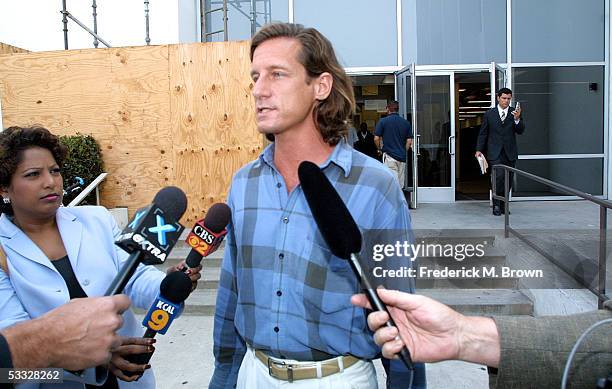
(281, 290)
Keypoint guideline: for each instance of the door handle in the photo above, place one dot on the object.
(451, 145)
(417, 145)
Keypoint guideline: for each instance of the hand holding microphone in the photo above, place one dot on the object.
(340, 232)
(132, 360)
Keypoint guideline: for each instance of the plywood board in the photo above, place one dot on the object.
(8, 49)
(164, 115)
(212, 117)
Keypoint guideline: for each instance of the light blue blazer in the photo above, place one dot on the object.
(33, 286)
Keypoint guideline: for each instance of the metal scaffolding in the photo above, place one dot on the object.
(207, 9)
(67, 15)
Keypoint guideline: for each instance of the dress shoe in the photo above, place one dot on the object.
(496, 211)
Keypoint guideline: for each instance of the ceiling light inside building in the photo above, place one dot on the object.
(389, 79)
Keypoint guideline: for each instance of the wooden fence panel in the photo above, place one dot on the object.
(164, 115)
(212, 118)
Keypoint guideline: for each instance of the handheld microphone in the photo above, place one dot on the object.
(151, 234)
(174, 289)
(78, 182)
(340, 232)
(207, 234)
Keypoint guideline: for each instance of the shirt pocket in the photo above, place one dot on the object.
(322, 255)
(329, 283)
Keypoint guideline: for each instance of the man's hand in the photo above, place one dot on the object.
(78, 335)
(130, 346)
(517, 114)
(478, 154)
(378, 142)
(409, 143)
(432, 331)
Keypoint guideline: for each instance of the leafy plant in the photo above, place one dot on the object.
(84, 159)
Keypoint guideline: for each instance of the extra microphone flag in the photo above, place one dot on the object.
(150, 236)
(155, 228)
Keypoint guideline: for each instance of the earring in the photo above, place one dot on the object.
(6, 200)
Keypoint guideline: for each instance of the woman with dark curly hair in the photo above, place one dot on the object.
(58, 253)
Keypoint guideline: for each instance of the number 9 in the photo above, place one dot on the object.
(158, 320)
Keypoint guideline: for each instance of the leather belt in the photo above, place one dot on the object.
(304, 370)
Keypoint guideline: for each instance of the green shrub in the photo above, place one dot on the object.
(84, 160)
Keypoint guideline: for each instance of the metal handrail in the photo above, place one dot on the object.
(604, 205)
(85, 192)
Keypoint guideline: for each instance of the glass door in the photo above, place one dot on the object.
(435, 104)
(405, 92)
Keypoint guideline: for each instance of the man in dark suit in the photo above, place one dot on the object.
(498, 137)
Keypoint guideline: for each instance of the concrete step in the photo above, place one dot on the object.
(466, 301)
(213, 261)
(483, 301)
(455, 239)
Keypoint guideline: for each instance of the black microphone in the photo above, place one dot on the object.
(78, 182)
(340, 232)
(174, 289)
(151, 234)
(207, 234)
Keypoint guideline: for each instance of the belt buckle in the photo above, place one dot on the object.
(287, 365)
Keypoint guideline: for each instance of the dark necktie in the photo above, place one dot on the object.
(503, 115)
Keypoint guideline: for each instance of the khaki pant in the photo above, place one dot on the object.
(398, 168)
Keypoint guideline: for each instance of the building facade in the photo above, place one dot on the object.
(444, 60)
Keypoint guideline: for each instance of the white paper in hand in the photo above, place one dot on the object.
(483, 164)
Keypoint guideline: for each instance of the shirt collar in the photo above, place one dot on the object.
(342, 156)
(500, 110)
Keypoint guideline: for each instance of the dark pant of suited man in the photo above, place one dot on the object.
(502, 159)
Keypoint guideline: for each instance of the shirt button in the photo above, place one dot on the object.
(278, 185)
(281, 255)
(276, 329)
(85, 282)
(279, 293)
(285, 220)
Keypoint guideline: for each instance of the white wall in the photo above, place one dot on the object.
(36, 25)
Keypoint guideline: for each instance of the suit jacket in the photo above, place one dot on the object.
(496, 136)
(33, 286)
(534, 350)
(365, 144)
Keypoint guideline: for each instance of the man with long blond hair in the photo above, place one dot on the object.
(283, 311)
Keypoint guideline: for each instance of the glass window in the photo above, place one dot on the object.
(558, 30)
(563, 108)
(363, 32)
(456, 31)
(239, 14)
(583, 174)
